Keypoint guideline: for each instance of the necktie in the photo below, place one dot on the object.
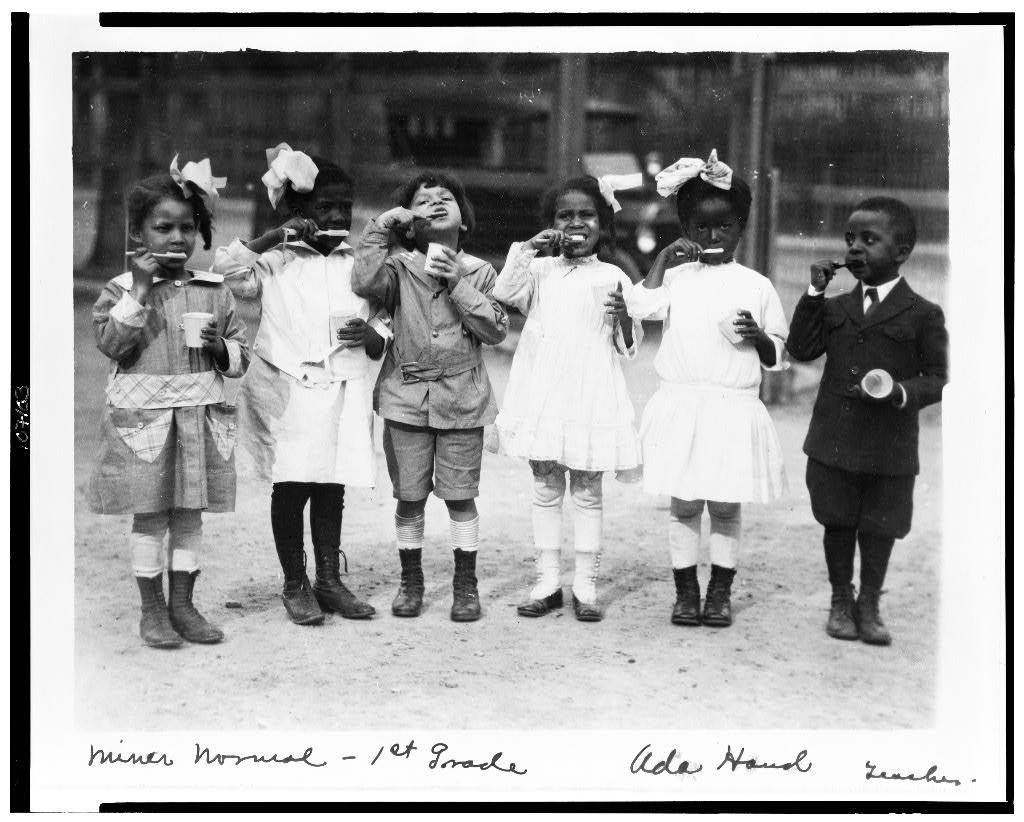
(871, 295)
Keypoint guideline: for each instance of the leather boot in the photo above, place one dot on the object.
(409, 600)
(186, 620)
(686, 611)
(297, 596)
(466, 599)
(869, 623)
(155, 627)
(330, 591)
(841, 624)
(717, 605)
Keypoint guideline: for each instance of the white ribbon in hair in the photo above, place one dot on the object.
(287, 166)
(610, 183)
(201, 176)
(713, 171)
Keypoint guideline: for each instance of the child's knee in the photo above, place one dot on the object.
(464, 507)
(548, 483)
(585, 487)
(685, 509)
(410, 508)
(728, 511)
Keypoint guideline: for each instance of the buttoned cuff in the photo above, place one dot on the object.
(644, 303)
(813, 292)
(234, 368)
(129, 311)
(374, 232)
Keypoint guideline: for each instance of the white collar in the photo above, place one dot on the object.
(572, 262)
(883, 289)
(125, 280)
(342, 246)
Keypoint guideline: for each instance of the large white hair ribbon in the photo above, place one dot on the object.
(714, 171)
(287, 166)
(201, 176)
(610, 183)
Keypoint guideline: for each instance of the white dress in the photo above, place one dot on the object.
(706, 434)
(566, 398)
(304, 404)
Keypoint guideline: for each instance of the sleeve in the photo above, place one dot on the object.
(375, 275)
(234, 340)
(775, 325)
(119, 322)
(516, 283)
(933, 355)
(628, 352)
(644, 303)
(482, 314)
(244, 270)
(806, 339)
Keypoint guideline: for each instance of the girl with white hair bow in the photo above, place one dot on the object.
(707, 436)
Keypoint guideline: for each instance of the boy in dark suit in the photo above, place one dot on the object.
(862, 449)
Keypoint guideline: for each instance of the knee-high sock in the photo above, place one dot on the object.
(147, 543)
(840, 545)
(874, 560)
(409, 532)
(549, 572)
(684, 532)
(464, 536)
(287, 502)
(548, 492)
(587, 499)
(186, 539)
(326, 504)
(726, 524)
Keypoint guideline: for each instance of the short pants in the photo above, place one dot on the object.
(873, 503)
(445, 461)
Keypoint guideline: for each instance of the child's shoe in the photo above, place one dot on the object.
(542, 605)
(872, 629)
(299, 602)
(686, 611)
(466, 598)
(330, 591)
(408, 601)
(717, 604)
(155, 627)
(841, 624)
(186, 620)
(587, 611)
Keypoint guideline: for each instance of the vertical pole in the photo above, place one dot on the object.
(754, 156)
(568, 133)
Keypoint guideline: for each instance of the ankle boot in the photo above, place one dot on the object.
(409, 600)
(841, 624)
(466, 599)
(717, 605)
(869, 623)
(330, 591)
(186, 620)
(686, 611)
(297, 597)
(155, 627)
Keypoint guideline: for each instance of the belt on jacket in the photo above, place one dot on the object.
(165, 390)
(414, 371)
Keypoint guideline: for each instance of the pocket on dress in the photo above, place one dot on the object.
(144, 432)
(222, 420)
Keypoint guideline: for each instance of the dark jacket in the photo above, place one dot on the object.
(906, 336)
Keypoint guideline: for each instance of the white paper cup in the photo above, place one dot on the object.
(877, 383)
(725, 325)
(338, 320)
(435, 251)
(195, 321)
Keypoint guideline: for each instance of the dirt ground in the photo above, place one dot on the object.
(774, 668)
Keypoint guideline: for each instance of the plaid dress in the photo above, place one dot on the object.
(167, 434)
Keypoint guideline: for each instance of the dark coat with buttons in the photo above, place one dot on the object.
(906, 336)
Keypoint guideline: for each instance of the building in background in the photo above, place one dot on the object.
(813, 132)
